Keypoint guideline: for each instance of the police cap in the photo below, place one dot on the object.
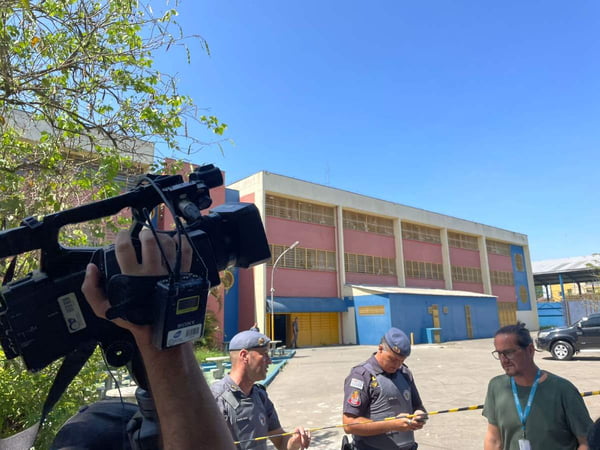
(248, 339)
(397, 341)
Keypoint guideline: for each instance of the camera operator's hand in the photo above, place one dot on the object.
(152, 264)
(188, 415)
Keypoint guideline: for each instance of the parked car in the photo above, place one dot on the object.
(564, 342)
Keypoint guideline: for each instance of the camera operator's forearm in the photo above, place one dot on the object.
(189, 417)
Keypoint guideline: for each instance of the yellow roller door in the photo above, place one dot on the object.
(317, 329)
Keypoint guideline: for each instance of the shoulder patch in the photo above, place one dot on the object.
(354, 398)
(356, 383)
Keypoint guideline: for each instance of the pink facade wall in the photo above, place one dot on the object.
(218, 196)
(500, 262)
(470, 287)
(422, 251)
(371, 279)
(286, 232)
(248, 198)
(504, 293)
(425, 283)
(246, 299)
(302, 283)
(363, 243)
(464, 258)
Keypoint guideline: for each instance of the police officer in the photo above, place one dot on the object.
(380, 388)
(245, 404)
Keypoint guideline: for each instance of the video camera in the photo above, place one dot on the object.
(45, 316)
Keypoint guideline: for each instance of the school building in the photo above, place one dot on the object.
(363, 264)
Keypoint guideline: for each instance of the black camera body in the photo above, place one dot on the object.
(45, 316)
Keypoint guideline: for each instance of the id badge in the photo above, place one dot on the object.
(524, 444)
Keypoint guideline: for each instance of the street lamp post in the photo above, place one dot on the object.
(294, 245)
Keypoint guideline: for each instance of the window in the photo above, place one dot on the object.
(459, 240)
(466, 274)
(303, 258)
(420, 233)
(375, 265)
(523, 294)
(499, 248)
(591, 322)
(502, 278)
(287, 208)
(373, 310)
(420, 269)
(371, 224)
(519, 262)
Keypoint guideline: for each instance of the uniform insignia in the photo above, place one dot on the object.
(396, 349)
(374, 382)
(354, 398)
(356, 383)
(406, 395)
(261, 341)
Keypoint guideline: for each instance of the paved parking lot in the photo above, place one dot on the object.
(309, 390)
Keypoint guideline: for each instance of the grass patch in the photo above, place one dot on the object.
(202, 353)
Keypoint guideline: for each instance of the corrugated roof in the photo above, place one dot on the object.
(579, 269)
(566, 264)
(417, 291)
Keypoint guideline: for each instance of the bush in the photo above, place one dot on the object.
(209, 337)
(22, 395)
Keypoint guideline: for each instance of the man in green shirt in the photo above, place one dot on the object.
(528, 408)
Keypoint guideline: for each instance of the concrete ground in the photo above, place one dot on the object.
(309, 389)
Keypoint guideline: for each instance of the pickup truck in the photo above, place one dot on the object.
(564, 342)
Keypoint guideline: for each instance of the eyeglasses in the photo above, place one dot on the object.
(508, 354)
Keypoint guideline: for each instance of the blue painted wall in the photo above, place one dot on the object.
(520, 278)
(409, 312)
(553, 314)
(369, 328)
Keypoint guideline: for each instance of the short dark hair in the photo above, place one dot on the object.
(524, 339)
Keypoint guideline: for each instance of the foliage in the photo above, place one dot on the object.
(22, 395)
(211, 327)
(81, 108)
(81, 104)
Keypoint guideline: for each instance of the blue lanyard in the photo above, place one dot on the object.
(523, 415)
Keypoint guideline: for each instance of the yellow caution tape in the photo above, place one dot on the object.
(409, 416)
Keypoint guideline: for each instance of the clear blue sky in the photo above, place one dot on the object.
(487, 111)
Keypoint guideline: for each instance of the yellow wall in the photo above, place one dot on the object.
(571, 290)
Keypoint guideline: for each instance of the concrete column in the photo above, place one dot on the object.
(399, 253)
(446, 266)
(260, 271)
(529, 317)
(485, 266)
(339, 242)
